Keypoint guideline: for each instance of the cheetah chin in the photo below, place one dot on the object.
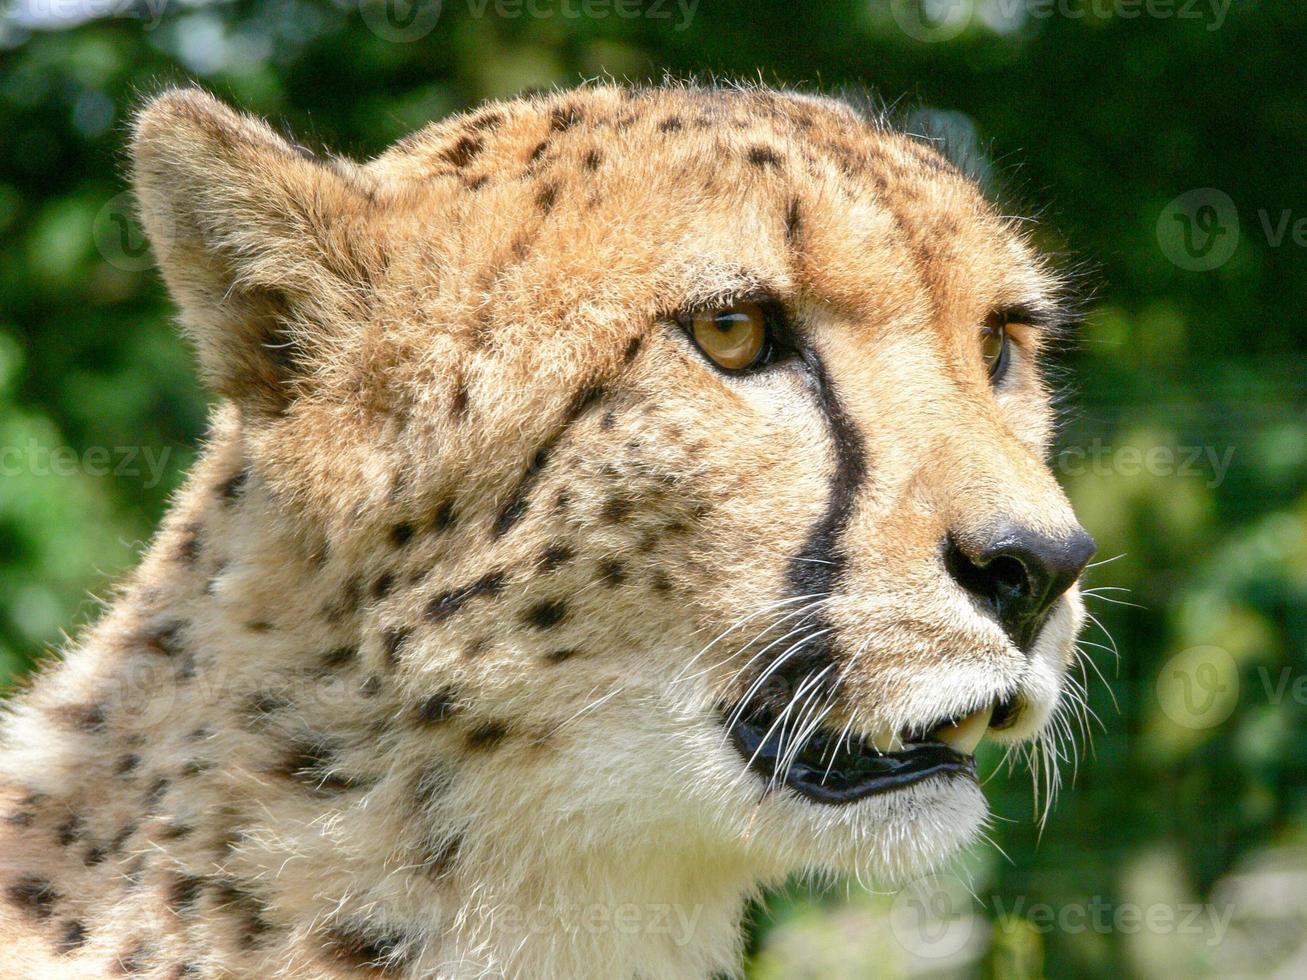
(615, 501)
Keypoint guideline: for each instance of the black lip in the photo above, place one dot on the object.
(834, 771)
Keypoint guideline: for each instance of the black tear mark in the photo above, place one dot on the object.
(632, 349)
(820, 563)
(447, 604)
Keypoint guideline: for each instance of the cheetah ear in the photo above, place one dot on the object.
(266, 248)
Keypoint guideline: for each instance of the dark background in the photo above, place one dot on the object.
(1161, 146)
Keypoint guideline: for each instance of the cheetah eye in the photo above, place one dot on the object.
(994, 348)
(734, 337)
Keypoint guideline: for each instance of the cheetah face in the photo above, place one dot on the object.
(699, 437)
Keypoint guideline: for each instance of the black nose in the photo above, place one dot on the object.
(1020, 573)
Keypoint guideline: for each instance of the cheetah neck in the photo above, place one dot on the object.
(236, 782)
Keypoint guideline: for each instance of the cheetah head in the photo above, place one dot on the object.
(685, 446)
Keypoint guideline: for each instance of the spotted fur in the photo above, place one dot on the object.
(424, 674)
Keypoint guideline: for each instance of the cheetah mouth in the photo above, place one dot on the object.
(832, 767)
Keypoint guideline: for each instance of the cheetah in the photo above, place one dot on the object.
(616, 500)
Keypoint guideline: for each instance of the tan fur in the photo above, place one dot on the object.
(392, 693)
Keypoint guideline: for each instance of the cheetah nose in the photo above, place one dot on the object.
(1020, 572)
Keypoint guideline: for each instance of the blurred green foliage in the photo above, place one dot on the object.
(1098, 112)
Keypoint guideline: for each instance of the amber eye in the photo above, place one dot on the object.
(993, 348)
(735, 337)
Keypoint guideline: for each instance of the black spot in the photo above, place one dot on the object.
(384, 953)
(184, 893)
(438, 707)
(392, 642)
(486, 122)
(154, 795)
(313, 763)
(661, 583)
(127, 764)
(72, 936)
(546, 197)
(546, 615)
(592, 160)
(564, 118)
(538, 152)
(463, 151)
(458, 404)
(165, 639)
(444, 517)
(442, 855)
(509, 515)
(487, 735)
(119, 842)
(188, 548)
(134, 959)
(477, 182)
(185, 970)
(401, 534)
(339, 657)
(251, 924)
(382, 586)
(613, 573)
(261, 705)
(87, 718)
(608, 421)
(34, 895)
(447, 604)
(763, 156)
(560, 656)
(632, 349)
(259, 626)
(616, 510)
(583, 399)
(234, 485)
(371, 686)
(554, 556)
